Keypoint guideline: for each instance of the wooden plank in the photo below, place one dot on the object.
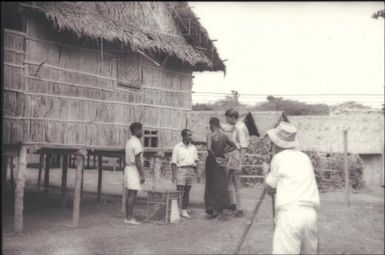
(14, 31)
(251, 165)
(76, 202)
(71, 84)
(13, 65)
(64, 181)
(19, 193)
(98, 100)
(100, 176)
(251, 176)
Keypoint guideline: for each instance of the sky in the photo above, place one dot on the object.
(315, 52)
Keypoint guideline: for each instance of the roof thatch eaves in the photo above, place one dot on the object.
(145, 26)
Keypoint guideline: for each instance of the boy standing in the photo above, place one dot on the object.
(133, 171)
(183, 163)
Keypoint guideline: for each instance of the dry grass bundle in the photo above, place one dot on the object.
(142, 26)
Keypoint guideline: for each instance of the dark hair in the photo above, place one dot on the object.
(184, 132)
(135, 127)
(232, 113)
(214, 122)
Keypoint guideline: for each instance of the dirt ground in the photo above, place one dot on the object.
(356, 229)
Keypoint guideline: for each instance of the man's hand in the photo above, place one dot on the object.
(142, 179)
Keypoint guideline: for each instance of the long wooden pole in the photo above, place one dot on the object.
(4, 169)
(76, 204)
(46, 172)
(64, 181)
(346, 167)
(19, 193)
(41, 165)
(250, 222)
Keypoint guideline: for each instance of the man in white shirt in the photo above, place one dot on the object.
(133, 172)
(297, 197)
(183, 163)
(240, 136)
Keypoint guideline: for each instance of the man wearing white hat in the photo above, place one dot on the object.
(297, 199)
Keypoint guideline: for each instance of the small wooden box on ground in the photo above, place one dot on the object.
(163, 205)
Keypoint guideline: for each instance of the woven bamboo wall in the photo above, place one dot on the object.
(64, 94)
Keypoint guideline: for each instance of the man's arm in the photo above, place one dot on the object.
(173, 170)
(231, 146)
(208, 145)
(271, 178)
(138, 164)
(174, 161)
(196, 160)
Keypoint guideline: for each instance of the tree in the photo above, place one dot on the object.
(292, 107)
(380, 13)
(202, 107)
(230, 101)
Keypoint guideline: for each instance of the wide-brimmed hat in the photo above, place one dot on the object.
(284, 135)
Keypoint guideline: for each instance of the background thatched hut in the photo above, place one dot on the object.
(199, 121)
(365, 138)
(77, 74)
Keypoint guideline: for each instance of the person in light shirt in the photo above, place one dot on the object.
(292, 177)
(240, 136)
(184, 167)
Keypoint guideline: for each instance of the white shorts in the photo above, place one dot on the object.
(131, 178)
(296, 231)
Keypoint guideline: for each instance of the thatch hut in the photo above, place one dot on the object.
(76, 74)
(365, 138)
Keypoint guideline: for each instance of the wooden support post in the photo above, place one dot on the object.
(46, 172)
(88, 161)
(100, 176)
(4, 168)
(120, 163)
(346, 167)
(124, 197)
(94, 165)
(19, 193)
(12, 175)
(64, 181)
(41, 165)
(82, 180)
(76, 204)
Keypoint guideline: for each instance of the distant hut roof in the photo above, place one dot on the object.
(156, 27)
(325, 133)
(199, 121)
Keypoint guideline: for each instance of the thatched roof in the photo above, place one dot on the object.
(325, 133)
(199, 121)
(152, 27)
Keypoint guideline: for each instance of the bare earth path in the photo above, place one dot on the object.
(343, 230)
